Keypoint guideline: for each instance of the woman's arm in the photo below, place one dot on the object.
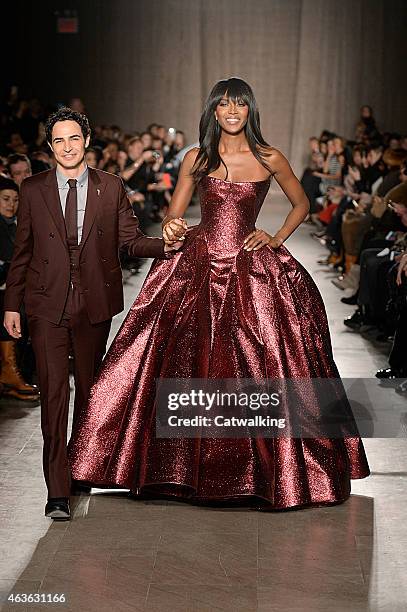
(292, 188)
(174, 226)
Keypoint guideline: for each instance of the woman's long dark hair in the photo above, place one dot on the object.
(208, 158)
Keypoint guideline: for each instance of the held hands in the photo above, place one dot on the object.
(259, 238)
(174, 231)
(12, 323)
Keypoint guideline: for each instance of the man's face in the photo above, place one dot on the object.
(373, 156)
(68, 144)
(146, 140)
(17, 144)
(20, 171)
(157, 144)
(8, 202)
(135, 149)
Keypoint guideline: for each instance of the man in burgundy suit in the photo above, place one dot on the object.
(72, 222)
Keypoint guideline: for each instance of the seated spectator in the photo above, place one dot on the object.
(372, 300)
(147, 140)
(19, 167)
(309, 181)
(398, 306)
(93, 156)
(11, 379)
(331, 173)
(111, 160)
(16, 143)
(366, 131)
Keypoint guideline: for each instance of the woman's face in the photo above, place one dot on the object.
(91, 159)
(357, 158)
(179, 140)
(331, 147)
(232, 116)
(365, 111)
(8, 202)
(338, 145)
(113, 149)
(314, 145)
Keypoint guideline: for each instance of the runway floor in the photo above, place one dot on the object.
(166, 556)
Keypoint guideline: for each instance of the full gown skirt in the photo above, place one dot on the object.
(214, 310)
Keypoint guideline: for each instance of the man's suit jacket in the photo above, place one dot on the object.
(39, 272)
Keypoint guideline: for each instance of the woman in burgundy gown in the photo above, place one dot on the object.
(232, 303)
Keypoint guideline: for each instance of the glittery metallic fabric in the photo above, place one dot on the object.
(215, 310)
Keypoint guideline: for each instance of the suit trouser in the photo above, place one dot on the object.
(52, 345)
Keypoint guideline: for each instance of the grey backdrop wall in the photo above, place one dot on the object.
(311, 63)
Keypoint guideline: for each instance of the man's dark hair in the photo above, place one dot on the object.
(375, 146)
(67, 114)
(14, 158)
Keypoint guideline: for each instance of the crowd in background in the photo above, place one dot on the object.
(358, 197)
(147, 161)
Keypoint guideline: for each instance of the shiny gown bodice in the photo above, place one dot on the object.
(229, 211)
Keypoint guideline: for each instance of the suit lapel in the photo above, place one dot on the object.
(49, 190)
(96, 187)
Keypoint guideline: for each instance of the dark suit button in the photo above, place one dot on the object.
(107, 284)
(100, 232)
(46, 261)
(42, 288)
(104, 259)
(85, 290)
(52, 235)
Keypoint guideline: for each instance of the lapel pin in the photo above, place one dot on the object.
(98, 191)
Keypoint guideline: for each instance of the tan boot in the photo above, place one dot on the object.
(350, 260)
(10, 375)
(23, 397)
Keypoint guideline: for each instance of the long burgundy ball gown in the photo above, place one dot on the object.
(215, 310)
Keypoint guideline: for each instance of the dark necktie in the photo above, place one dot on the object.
(71, 213)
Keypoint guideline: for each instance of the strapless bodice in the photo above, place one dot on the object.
(229, 211)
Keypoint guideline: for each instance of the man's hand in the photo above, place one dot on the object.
(12, 323)
(174, 230)
(175, 246)
(259, 238)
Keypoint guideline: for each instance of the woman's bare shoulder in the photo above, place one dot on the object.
(191, 155)
(270, 152)
(274, 158)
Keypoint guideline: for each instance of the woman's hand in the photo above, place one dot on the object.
(259, 238)
(174, 230)
(402, 268)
